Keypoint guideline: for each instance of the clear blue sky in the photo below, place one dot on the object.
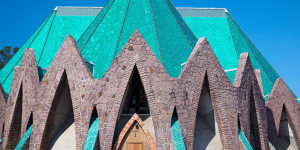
(273, 25)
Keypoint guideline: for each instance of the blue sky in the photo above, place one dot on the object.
(273, 25)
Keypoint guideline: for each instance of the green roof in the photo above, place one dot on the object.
(170, 33)
(47, 39)
(158, 22)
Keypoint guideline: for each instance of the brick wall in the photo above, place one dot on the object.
(163, 94)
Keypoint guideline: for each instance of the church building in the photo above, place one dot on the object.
(144, 75)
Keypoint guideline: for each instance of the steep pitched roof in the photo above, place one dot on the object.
(158, 21)
(49, 36)
(101, 34)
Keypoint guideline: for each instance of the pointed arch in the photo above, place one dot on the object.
(60, 118)
(285, 138)
(176, 132)
(254, 127)
(15, 125)
(92, 140)
(134, 101)
(134, 119)
(206, 132)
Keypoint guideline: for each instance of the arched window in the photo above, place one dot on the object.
(135, 97)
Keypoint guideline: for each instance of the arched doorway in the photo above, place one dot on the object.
(134, 105)
(135, 136)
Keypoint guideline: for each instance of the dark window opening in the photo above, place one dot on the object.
(135, 97)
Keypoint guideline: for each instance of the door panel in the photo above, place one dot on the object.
(135, 146)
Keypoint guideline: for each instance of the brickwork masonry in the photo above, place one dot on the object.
(164, 94)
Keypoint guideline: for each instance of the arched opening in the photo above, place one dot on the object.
(15, 127)
(254, 128)
(206, 133)
(135, 96)
(176, 132)
(135, 139)
(135, 136)
(60, 127)
(92, 140)
(286, 140)
(134, 102)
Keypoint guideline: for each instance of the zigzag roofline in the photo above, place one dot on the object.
(202, 62)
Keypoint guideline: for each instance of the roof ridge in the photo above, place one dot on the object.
(96, 7)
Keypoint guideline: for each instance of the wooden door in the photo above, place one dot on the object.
(135, 139)
(134, 136)
(135, 146)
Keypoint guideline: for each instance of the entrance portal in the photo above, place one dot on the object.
(135, 139)
(135, 136)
